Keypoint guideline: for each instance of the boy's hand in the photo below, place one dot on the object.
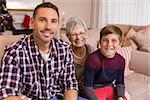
(120, 98)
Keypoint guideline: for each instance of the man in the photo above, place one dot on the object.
(39, 66)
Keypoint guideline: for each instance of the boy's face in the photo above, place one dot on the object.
(109, 45)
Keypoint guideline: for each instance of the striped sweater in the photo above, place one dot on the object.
(103, 70)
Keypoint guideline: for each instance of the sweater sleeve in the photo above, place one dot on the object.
(120, 90)
(89, 77)
(120, 87)
(90, 68)
(88, 92)
(88, 84)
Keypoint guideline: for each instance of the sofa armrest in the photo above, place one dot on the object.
(140, 62)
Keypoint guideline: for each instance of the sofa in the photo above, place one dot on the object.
(137, 71)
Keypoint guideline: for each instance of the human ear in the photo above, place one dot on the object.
(32, 23)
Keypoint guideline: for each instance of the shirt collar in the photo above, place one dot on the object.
(33, 48)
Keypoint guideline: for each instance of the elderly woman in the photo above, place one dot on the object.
(76, 31)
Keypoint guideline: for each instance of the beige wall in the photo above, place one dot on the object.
(72, 8)
(75, 8)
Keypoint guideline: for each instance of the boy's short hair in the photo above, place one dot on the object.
(111, 29)
(45, 5)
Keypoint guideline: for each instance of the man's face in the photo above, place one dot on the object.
(45, 24)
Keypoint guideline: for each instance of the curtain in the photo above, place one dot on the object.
(135, 12)
(95, 13)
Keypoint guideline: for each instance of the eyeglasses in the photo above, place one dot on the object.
(77, 34)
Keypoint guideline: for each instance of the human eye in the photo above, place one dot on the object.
(42, 19)
(82, 33)
(104, 40)
(114, 40)
(54, 20)
(73, 35)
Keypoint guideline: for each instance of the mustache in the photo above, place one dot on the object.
(47, 30)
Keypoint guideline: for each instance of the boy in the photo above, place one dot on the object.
(105, 67)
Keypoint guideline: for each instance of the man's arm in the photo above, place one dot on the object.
(69, 79)
(9, 76)
(22, 97)
(70, 95)
(13, 98)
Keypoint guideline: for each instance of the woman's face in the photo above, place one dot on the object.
(78, 37)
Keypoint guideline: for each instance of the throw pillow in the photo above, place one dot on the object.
(142, 38)
(127, 39)
(126, 53)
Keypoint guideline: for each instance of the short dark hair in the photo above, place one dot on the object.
(111, 29)
(45, 5)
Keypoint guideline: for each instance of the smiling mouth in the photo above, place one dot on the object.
(109, 49)
(47, 33)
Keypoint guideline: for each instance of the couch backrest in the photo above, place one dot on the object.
(140, 62)
(125, 28)
(6, 40)
(92, 36)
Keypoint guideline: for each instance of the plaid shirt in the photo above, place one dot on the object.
(25, 72)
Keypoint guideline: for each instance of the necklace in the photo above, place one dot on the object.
(84, 54)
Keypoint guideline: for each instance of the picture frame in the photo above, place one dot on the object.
(22, 5)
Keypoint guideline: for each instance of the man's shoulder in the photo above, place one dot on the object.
(61, 43)
(17, 45)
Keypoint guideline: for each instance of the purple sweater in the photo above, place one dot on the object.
(103, 70)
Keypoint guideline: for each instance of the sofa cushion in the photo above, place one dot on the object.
(138, 85)
(140, 62)
(127, 39)
(126, 53)
(142, 38)
(124, 28)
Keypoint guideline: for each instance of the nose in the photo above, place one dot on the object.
(48, 25)
(109, 43)
(78, 36)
